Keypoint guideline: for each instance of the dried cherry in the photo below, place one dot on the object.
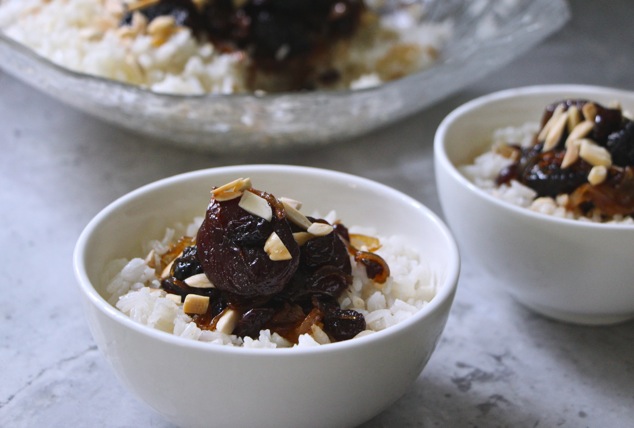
(231, 250)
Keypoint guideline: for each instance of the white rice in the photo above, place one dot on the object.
(84, 36)
(487, 166)
(133, 288)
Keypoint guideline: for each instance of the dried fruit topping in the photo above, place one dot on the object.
(584, 149)
(258, 263)
(345, 324)
(275, 33)
(231, 249)
(187, 264)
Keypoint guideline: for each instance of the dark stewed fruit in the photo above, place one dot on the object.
(247, 250)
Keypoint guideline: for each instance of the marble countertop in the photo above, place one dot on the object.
(497, 364)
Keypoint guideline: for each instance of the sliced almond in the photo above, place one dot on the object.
(589, 111)
(559, 110)
(195, 304)
(580, 131)
(161, 25)
(139, 4)
(167, 271)
(555, 133)
(320, 229)
(292, 202)
(594, 154)
(574, 118)
(302, 237)
(231, 190)
(364, 242)
(572, 154)
(227, 321)
(276, 249)
(597, 175)
(296, 217)
(256, 205)
(199, 280)
(149, 259)
(506, 150)
(174, 298)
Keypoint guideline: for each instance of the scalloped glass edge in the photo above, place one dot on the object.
(488, 35)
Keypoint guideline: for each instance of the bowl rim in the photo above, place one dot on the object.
(445, 291)
(442, 159)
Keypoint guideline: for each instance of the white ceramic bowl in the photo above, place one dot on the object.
(198, 384)
(569, 270)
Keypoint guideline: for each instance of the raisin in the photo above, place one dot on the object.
(343, 324)
(620, 144)
(252, 321)
(187, 264)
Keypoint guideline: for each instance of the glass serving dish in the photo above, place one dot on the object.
(487, 34)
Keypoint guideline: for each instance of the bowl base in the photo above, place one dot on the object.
(576, 317)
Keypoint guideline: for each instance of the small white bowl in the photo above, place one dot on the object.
(573, 271)
(198, 384)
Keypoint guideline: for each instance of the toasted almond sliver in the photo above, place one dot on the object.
(256, 205)
(559, 110)
(167, 271)
(295, 216)
(571, 155)
(161, 25)
(227, 321)
(589, 111)
(292, 202)
(580, 131)
(139, 4)
(320, 229)
(199, 280)
(594, 154)
(195, 304)
(232, 189)
(276, 249)
(574, 118)
(364, 242)
(302, 237)
(597, 175)
(555, 133)
(150, 256)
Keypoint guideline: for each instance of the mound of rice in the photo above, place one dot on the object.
(84, 36)
(134, 289)
(487, 166)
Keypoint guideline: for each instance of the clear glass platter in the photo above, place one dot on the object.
(487, 35)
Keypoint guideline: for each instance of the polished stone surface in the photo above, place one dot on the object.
(497, 365)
